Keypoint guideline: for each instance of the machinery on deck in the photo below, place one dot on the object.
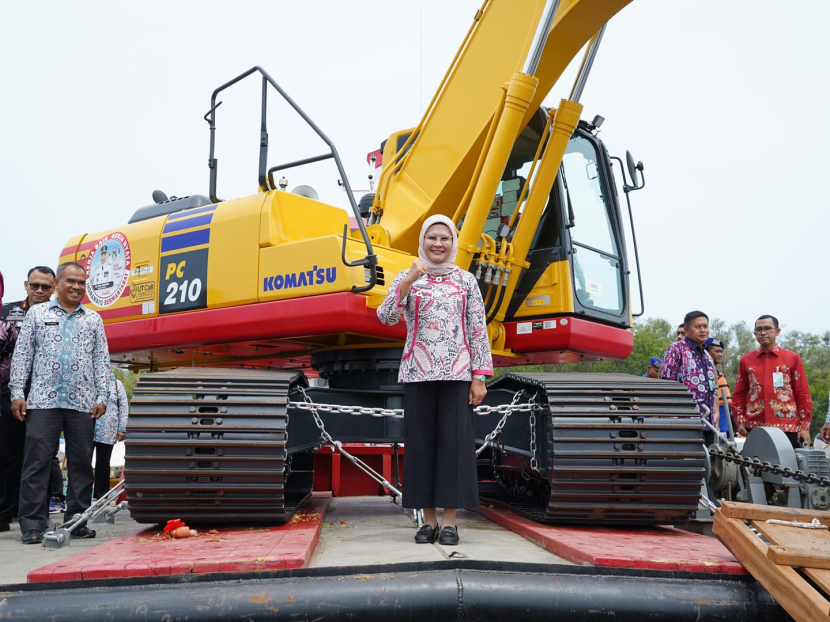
(219, 298)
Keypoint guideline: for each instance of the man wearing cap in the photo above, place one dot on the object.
(653, 369)
(771, 387)
(714, 347)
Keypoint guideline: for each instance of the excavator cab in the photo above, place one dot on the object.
(581, 224)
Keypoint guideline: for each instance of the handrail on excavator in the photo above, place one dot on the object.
(266, 177)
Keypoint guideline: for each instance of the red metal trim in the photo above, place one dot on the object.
(112, 314)
(345, 312)
(580, 336)
(281, 319)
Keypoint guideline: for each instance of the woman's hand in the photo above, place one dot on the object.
(417, 270)
(477, 392)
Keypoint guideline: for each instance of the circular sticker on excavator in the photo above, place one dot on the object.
(108, 269)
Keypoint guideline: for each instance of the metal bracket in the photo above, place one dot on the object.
(62, 536)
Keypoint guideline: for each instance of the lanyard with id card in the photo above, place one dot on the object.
(777, 379)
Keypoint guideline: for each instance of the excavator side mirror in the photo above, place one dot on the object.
(634, 171)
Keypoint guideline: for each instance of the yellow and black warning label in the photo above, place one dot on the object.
(139, 292)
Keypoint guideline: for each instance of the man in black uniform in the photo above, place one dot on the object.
(39, 285)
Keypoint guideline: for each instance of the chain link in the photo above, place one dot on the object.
(775, 469)
(310, 406)
(497, 430)
(397, 413)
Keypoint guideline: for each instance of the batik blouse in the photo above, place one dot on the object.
(446, 336)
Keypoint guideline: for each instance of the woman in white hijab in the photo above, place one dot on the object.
(445, 363)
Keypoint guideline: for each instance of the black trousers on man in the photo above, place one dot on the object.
(103, 455)
(12, 441)
(43, 429)
(56, 476)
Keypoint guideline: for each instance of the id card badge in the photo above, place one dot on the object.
(777, 379)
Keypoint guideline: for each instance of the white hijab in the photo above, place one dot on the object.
(449, 265)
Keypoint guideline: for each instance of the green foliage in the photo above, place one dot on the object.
(128, 379)
(653, 335)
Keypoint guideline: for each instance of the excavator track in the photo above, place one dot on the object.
(209, 446)
(611, 449)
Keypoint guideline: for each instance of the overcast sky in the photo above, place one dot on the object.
(723, 100)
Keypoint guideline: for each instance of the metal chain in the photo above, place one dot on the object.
(504, 409)
(775, 469)
(497, 430)
(311, 408)
(309, 405)
(338, 445)
(397, 413)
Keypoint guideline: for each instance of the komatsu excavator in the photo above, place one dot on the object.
(221, 299)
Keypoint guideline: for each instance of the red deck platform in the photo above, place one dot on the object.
(145, 553)
(657, 548)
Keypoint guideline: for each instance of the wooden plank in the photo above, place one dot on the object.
(752, 511)
(820, 577)
(785, 585)
(796, 556)
(817, 540)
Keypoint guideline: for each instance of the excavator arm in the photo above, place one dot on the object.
(483, 91)
(455, 160)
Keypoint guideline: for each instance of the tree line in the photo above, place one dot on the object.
(653, 335)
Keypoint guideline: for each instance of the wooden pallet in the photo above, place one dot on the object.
(794, 567)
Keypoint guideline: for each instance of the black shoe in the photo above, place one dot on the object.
(83, 532)
(33, 536)
(5, 527)
(426, 534)
(449, 536)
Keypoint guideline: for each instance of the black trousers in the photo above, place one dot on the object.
(103, 453)
(43, 429)
(439, 467)
(12, 441)
(56, 476)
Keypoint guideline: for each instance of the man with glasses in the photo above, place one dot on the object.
(39, 286)
(62, 349)
(771, 387)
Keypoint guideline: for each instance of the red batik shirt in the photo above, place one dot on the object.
(756, 402)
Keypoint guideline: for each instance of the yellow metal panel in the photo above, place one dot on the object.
(289, 217)
(308, 268)
(134, 278)
(315, 266)
(234, 252)
(552, 294)
(438, 170)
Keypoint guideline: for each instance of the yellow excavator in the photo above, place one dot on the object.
(225, 302)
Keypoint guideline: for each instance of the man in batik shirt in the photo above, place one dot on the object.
(689, 363)
(62, 348)
(771, 388)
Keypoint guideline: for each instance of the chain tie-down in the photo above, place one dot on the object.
(776, 469)
(397, 413)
